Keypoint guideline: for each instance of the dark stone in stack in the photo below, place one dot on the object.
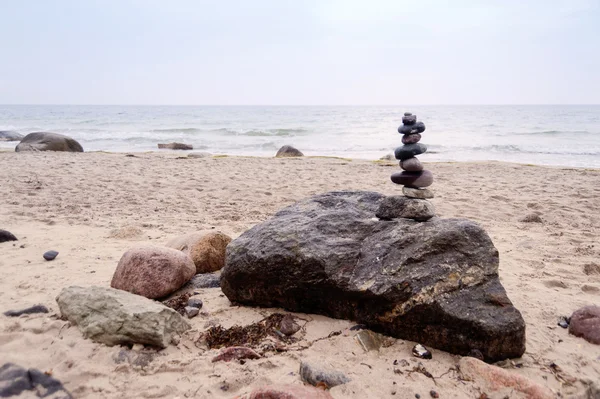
(413, 177)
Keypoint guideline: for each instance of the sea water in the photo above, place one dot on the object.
(567, 135)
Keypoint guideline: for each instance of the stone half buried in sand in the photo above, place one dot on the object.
(44, 141)
(116, 317)
(435, 282)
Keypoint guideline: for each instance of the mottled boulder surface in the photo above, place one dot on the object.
(44, 141)
(585, 323)
(116, 317)
(153, 272)
(433, 282)
(207, 250)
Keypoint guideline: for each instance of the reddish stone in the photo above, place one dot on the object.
(286, 392)
(153, 272)
(413, 179)
(494, 378)
(235, 353)
(585, 323)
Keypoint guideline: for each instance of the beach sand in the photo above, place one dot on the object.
(92, 207)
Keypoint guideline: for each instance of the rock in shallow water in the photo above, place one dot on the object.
(114, 317)
(409, 150)
(435, 283)
(399, 206)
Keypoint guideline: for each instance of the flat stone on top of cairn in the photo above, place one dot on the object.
(413, 177)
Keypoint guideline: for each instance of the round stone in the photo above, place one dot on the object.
(419, 193)
(418, 127)
(411, 138)
(411, 165)
(50, 255)
(409, 151)
(413, 179)
(409, 119)
(407, 114)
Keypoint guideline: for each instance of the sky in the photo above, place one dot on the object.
(299, 52)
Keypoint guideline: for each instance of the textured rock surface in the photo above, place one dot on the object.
(16, 380)
(585, 323)
(420, 193)
(435, 282)
(175, 146)
(409, 150)
(207, 250)
(153, 272)
(288, 151)
(50, 255)
(317, 376)
(9, 135)
(411, 165)
(420, 179)
(494, 379)
(286, 392)
(43, 141)
(6, 236)
(116, 317)
(399, 206)
(411, 138)
(418, 127)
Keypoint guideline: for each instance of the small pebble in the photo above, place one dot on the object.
(191, 311)
(195, 303)
(50, 255)
(421, 352)
(563, 322)
(434, 394)
(417, 396)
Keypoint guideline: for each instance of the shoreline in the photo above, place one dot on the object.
(92, 207)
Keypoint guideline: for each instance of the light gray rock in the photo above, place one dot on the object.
(316, 375)
(191, 311)
(435, 282)
(44, 141)
(112, 317)
(419, 193)
(399, 206)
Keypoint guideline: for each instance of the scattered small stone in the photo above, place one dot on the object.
(191, 311)
(288, 325)
(531, 218)
(585, 323)
(317, 376)
(50, 255)
(369, 340)
(563, 322)
(178, 302)
(195, 303)
(235, 353)
(7, 236)
(15, 380)
(417, 396)
(434, 394)
(421, 352)
(29, 310)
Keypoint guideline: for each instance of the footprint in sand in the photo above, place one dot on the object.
(555, 284)
(590, 289)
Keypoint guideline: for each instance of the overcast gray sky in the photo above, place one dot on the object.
(300, 52)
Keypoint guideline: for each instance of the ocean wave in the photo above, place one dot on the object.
(553, 133)
(511, 148)
(177, 130)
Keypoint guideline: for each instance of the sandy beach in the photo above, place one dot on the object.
(92, 207)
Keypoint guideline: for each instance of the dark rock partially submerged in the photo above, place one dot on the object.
(44, 141)
(175, 146)
(435, 282)
(288, 151)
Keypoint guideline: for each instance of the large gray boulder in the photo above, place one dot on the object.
(433, 282)
(114, 317)
(9, 135)
(44, 141)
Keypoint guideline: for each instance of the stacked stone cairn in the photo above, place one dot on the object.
(414, 204)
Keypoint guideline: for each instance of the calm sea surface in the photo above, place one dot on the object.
(566, 135)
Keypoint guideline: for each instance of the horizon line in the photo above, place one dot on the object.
(296, 105)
